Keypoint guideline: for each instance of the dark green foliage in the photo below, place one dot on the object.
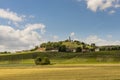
(51, 45)
(109, 48)
(45, 61)
(5, 52)
(84, 45)
(67, 40)
(62, 48)
(78, 49)
(93, 45)
(38, 61)
(36, 47)
(77, 42)
(43, 45)
(42, 61)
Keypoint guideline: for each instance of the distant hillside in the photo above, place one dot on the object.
(109, 47)
(68, 46)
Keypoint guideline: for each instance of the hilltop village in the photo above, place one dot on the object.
(67, 46)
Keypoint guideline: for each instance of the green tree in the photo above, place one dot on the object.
(36, 47)
(43, 45)
(93, 46)
(78, 49)
(77, 42)
(83, 45)
(62, 48)
(42, 61)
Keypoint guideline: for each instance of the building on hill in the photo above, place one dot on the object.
(41, 49)
(85, 50)
(69, 50)
(97, 49)
(53, 50)
(70, 39)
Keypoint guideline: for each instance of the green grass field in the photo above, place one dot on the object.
(64, 66)
(62, 72)
(62, 58)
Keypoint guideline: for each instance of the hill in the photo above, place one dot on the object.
(68, 46)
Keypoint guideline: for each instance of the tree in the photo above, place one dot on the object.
(56, 45)
(84, 45)
(62, 48)
(43, 45)
(93, 46)
(36, 47)
(78, 49)
(42, 61)
(49, 46)
(77, 42)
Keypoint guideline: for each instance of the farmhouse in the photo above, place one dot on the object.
(41, 49)
(97, 49)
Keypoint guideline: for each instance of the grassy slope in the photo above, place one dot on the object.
(63, 68)
(63, 58)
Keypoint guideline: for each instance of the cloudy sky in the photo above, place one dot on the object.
(26, 23)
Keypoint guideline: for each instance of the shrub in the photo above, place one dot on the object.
(38, 61)
(42, 61)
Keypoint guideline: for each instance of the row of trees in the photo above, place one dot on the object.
(5, 52)
(109, 48)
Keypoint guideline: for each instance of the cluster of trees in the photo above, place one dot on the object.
(68, 45)
(54, 46)
(109, 48)
(5, 52)
(36, 47)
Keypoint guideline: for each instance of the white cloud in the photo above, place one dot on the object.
(93, 4)
(7, 14)
(12, 39)
(31, 16)
(15, 39)
(96, 5)
(72, 34)
(117, 6)
(55, 38)
(112, 12)
(100, 42)
(31, 27)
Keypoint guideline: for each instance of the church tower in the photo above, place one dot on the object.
(70, 39)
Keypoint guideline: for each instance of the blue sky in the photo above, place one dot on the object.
(92, 21)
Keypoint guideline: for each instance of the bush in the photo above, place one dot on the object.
(42, 61)
(38, 61)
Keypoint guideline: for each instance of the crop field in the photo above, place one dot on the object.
(64, 66)
(62, 72)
